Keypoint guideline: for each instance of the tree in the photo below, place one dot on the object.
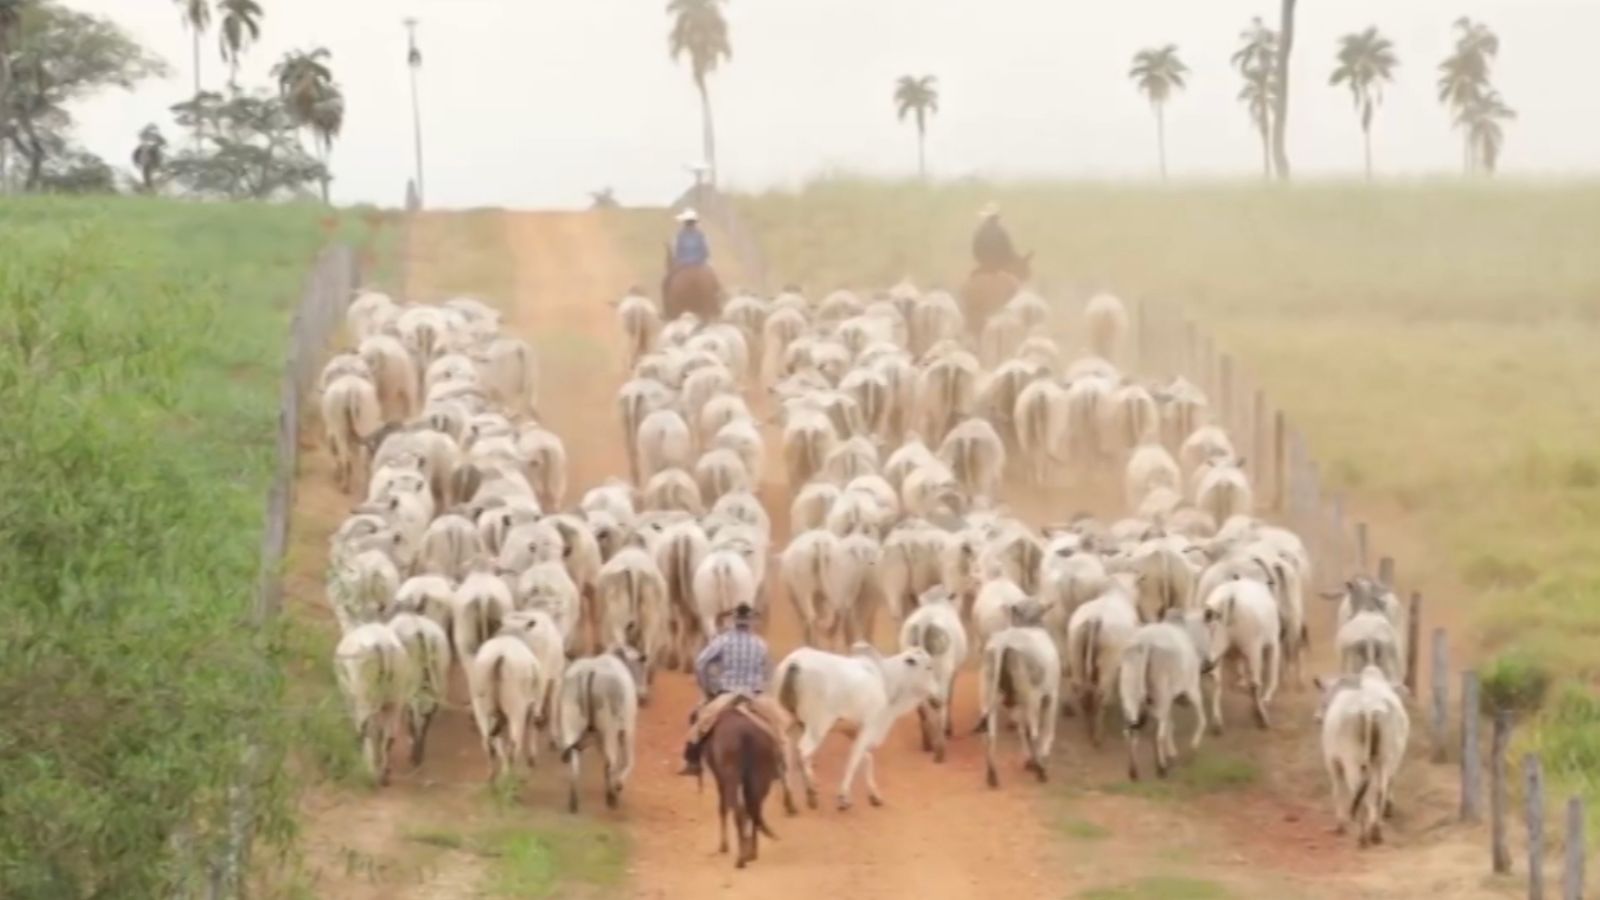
(76, 171)
(1280, 106)
(241, 27)
(918, 97)
(58, 56)
(250, 149)
(1257, 61)
(1481, 120)
(1464, 84)
(700, 32)
(10, 26)
(196, 18)
(149, 156)
(605, 198)
(1159, 73)
(1366, 60)
(313, 100)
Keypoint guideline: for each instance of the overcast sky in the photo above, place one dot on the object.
(532, 104)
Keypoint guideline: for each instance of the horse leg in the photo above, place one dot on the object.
(743, 826)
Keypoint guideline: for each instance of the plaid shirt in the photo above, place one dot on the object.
(740, 659)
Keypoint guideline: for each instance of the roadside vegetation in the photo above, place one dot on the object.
(140, 352)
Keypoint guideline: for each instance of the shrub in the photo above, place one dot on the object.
(1515, 683)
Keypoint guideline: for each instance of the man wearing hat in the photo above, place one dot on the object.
(732, 668)
(690, 249)
(991, 245)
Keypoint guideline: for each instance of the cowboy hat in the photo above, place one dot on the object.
(688, 215)
(989, 211)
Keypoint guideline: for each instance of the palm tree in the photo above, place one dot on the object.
(326, 121)
(918, 97)
(197, 18)
(1280, 98)
(241, 27)
(1366, 60)
(1480, 119)
(1464, 76)
(1158, 73)
(414, 64)
(302, 77)
(1257, 61)
(149, 156)
(701, 33)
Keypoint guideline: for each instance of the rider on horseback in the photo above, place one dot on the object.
(732, 668)
(991, 244)
(690, 249)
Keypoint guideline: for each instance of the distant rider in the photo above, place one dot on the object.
(690, 248)
(991, 244)
(733, 667)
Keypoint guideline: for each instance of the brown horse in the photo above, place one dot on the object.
(745, 760)
(690, 289)
(987, 291)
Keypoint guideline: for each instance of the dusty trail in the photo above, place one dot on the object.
(943, 834)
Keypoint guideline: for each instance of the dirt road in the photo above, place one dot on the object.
(941, 835)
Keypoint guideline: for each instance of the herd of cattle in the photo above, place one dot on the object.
(897, 430)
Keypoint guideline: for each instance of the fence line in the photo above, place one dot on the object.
(1171, 343)
(318, 316)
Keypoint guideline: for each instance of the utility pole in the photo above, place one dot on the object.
(414, 62)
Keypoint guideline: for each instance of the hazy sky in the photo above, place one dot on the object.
(532, 103)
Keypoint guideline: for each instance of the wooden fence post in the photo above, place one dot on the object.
(1280, 460)
(1572, 879)
(1361, 548)
(1471, 774)
(1386, 571)
(1535, 789)
(1413, 640)
(1225, 392)
(1499, 850)
(1258, 437)
(1441, 695)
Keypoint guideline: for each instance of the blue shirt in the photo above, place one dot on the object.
(740, 656)
(691, 248)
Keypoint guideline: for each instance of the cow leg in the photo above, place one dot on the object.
(809, 741)
(1047, 740)
(610, 750)
(1341, 803)
(1132, 736)
(991, 736)
(1258, 686)
(1273, 664)
(1163, 738)
(858, 750)
(947, 711)
(1199, 720)
(1216, 701)
(572, 781)
(924, 727)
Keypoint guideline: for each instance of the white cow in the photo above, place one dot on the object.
(1242, 616)
(1364, 733)
(1369, 639)
(481, 603)
(1097, 632)
(1162, 663)
(507, 685)
(866, 689)
(1021, 676)
(633, 608)
(351, 413)
(936, 627)
(600, 696)
(378, 680)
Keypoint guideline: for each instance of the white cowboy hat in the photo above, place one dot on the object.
(688, 215)
(989, 211)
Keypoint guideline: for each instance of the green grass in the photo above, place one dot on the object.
(140, 352)
(1209, 772)
(1434, 341)
(1083, 830)
(1160, 888)
(544, 857)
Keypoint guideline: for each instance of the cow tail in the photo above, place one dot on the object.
(1371, 747)
(1091, 653)
(1134, 684)
(789, 691)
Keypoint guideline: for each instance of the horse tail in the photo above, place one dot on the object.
(748, 785)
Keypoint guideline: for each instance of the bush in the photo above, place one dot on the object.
(138, 357)
(1515, 683)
